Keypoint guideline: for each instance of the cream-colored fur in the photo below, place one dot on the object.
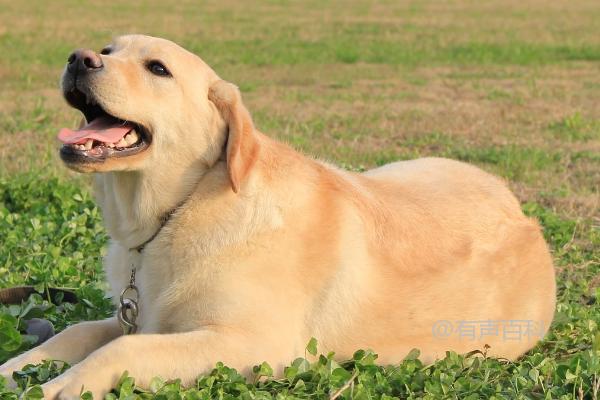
(271, 248)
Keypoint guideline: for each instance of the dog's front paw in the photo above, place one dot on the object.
(79, 379)
(67, 388)
(33, 356)
(7, 369)
(6, 374)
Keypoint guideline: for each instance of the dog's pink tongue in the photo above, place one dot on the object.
(104, 129)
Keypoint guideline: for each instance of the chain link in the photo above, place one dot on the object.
(128, 306)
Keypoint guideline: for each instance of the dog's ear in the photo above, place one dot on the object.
(242, 143)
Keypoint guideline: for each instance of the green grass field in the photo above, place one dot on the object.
(511, 86)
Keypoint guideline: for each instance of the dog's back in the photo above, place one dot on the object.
(449, 242)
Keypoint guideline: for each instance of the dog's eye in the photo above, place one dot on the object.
(158, 69)
(105, 51)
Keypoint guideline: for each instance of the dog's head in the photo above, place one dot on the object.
(149, 104)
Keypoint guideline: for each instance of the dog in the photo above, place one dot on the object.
(226, 245)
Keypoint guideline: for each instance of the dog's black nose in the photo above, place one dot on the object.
(84, 60)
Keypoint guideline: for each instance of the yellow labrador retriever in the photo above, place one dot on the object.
(240, 249)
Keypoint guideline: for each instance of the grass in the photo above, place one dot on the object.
(576, 128)
(509, 86)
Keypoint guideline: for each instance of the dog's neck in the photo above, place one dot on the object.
(134, 203)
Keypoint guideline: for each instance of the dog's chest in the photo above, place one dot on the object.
(170, 290)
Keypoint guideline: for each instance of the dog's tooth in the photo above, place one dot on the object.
(121, 143)
(89, 144)
(111, 145)
(130, 139)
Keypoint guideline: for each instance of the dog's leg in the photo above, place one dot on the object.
(179, 355)
(72, 345)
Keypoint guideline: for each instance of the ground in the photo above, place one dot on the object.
(511, 86)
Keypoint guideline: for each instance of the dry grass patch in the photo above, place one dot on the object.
(360, 84)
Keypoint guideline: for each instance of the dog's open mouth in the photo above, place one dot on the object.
(103, 136)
